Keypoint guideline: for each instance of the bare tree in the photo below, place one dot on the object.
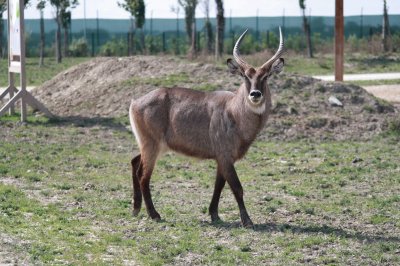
(137, 9)
(3, 6)
(66, 23)
(386, 38)
(176, 10)
(61, 6)
(207, 26)
(219, 34)
(40, 6)
(189, 6)
(306, 28)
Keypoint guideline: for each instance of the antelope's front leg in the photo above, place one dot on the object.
(219, 185)
(229, 172)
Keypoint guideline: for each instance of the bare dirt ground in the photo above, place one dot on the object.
(104, 87)
(8, 254)
(368, 76)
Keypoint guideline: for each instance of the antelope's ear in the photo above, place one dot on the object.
(233, 67)
(277, 66)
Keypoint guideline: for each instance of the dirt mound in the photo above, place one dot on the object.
(303, 107)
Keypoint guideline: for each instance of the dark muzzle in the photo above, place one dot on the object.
(255, 94)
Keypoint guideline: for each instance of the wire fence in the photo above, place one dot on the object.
(113, 37)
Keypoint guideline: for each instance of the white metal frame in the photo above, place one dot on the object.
(17, 65)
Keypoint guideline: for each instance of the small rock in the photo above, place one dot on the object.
(292, 111)
(88, 186)
(268, 198)
(335, 101)
(357, 160)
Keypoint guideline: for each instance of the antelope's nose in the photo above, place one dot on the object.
(255, 94)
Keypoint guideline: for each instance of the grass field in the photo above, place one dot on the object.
(65, 193)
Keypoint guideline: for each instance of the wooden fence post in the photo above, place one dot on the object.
(339, 41)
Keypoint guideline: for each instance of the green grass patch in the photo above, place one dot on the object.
(354, 64)
(65, 189)
(36, 75)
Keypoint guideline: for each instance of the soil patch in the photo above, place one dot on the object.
(303, 106)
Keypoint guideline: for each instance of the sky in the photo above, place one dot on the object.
(235, 8)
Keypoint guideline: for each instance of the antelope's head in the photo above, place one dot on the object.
(255, 79)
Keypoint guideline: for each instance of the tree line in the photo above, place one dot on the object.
(137, 10)
(63, 20)
(386, 36)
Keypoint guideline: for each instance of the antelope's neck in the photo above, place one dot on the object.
(250, 120)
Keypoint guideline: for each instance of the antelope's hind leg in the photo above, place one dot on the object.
(137, 171)
(148, 161)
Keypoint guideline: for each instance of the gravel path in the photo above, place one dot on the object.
(390, 93)
(368, 76)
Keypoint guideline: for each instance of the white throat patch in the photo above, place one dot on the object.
(257, 109)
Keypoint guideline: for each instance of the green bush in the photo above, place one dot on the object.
(154, 44)
(114, 47)
(394, 127)
(396, 42)
(78, 48)
(250, 44)
(296, 42)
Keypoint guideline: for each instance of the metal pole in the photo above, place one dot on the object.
(230, 20)
(361, 25)
(339, 41)
(283, 23)
(163, 42)
(22, 76)
(97, 31)
(177, 31)
(257, 36)
(84, 19)
(151, 23)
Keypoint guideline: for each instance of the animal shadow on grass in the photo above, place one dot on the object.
(79, 121)
(312, 229)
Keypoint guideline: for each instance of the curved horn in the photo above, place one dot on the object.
(277, 54)
(236, 53)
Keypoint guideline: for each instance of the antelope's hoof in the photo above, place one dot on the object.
(155, 217)
(215, 218)
(135, 212)
(248, 224)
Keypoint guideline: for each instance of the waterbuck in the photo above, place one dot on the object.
(217, 125)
